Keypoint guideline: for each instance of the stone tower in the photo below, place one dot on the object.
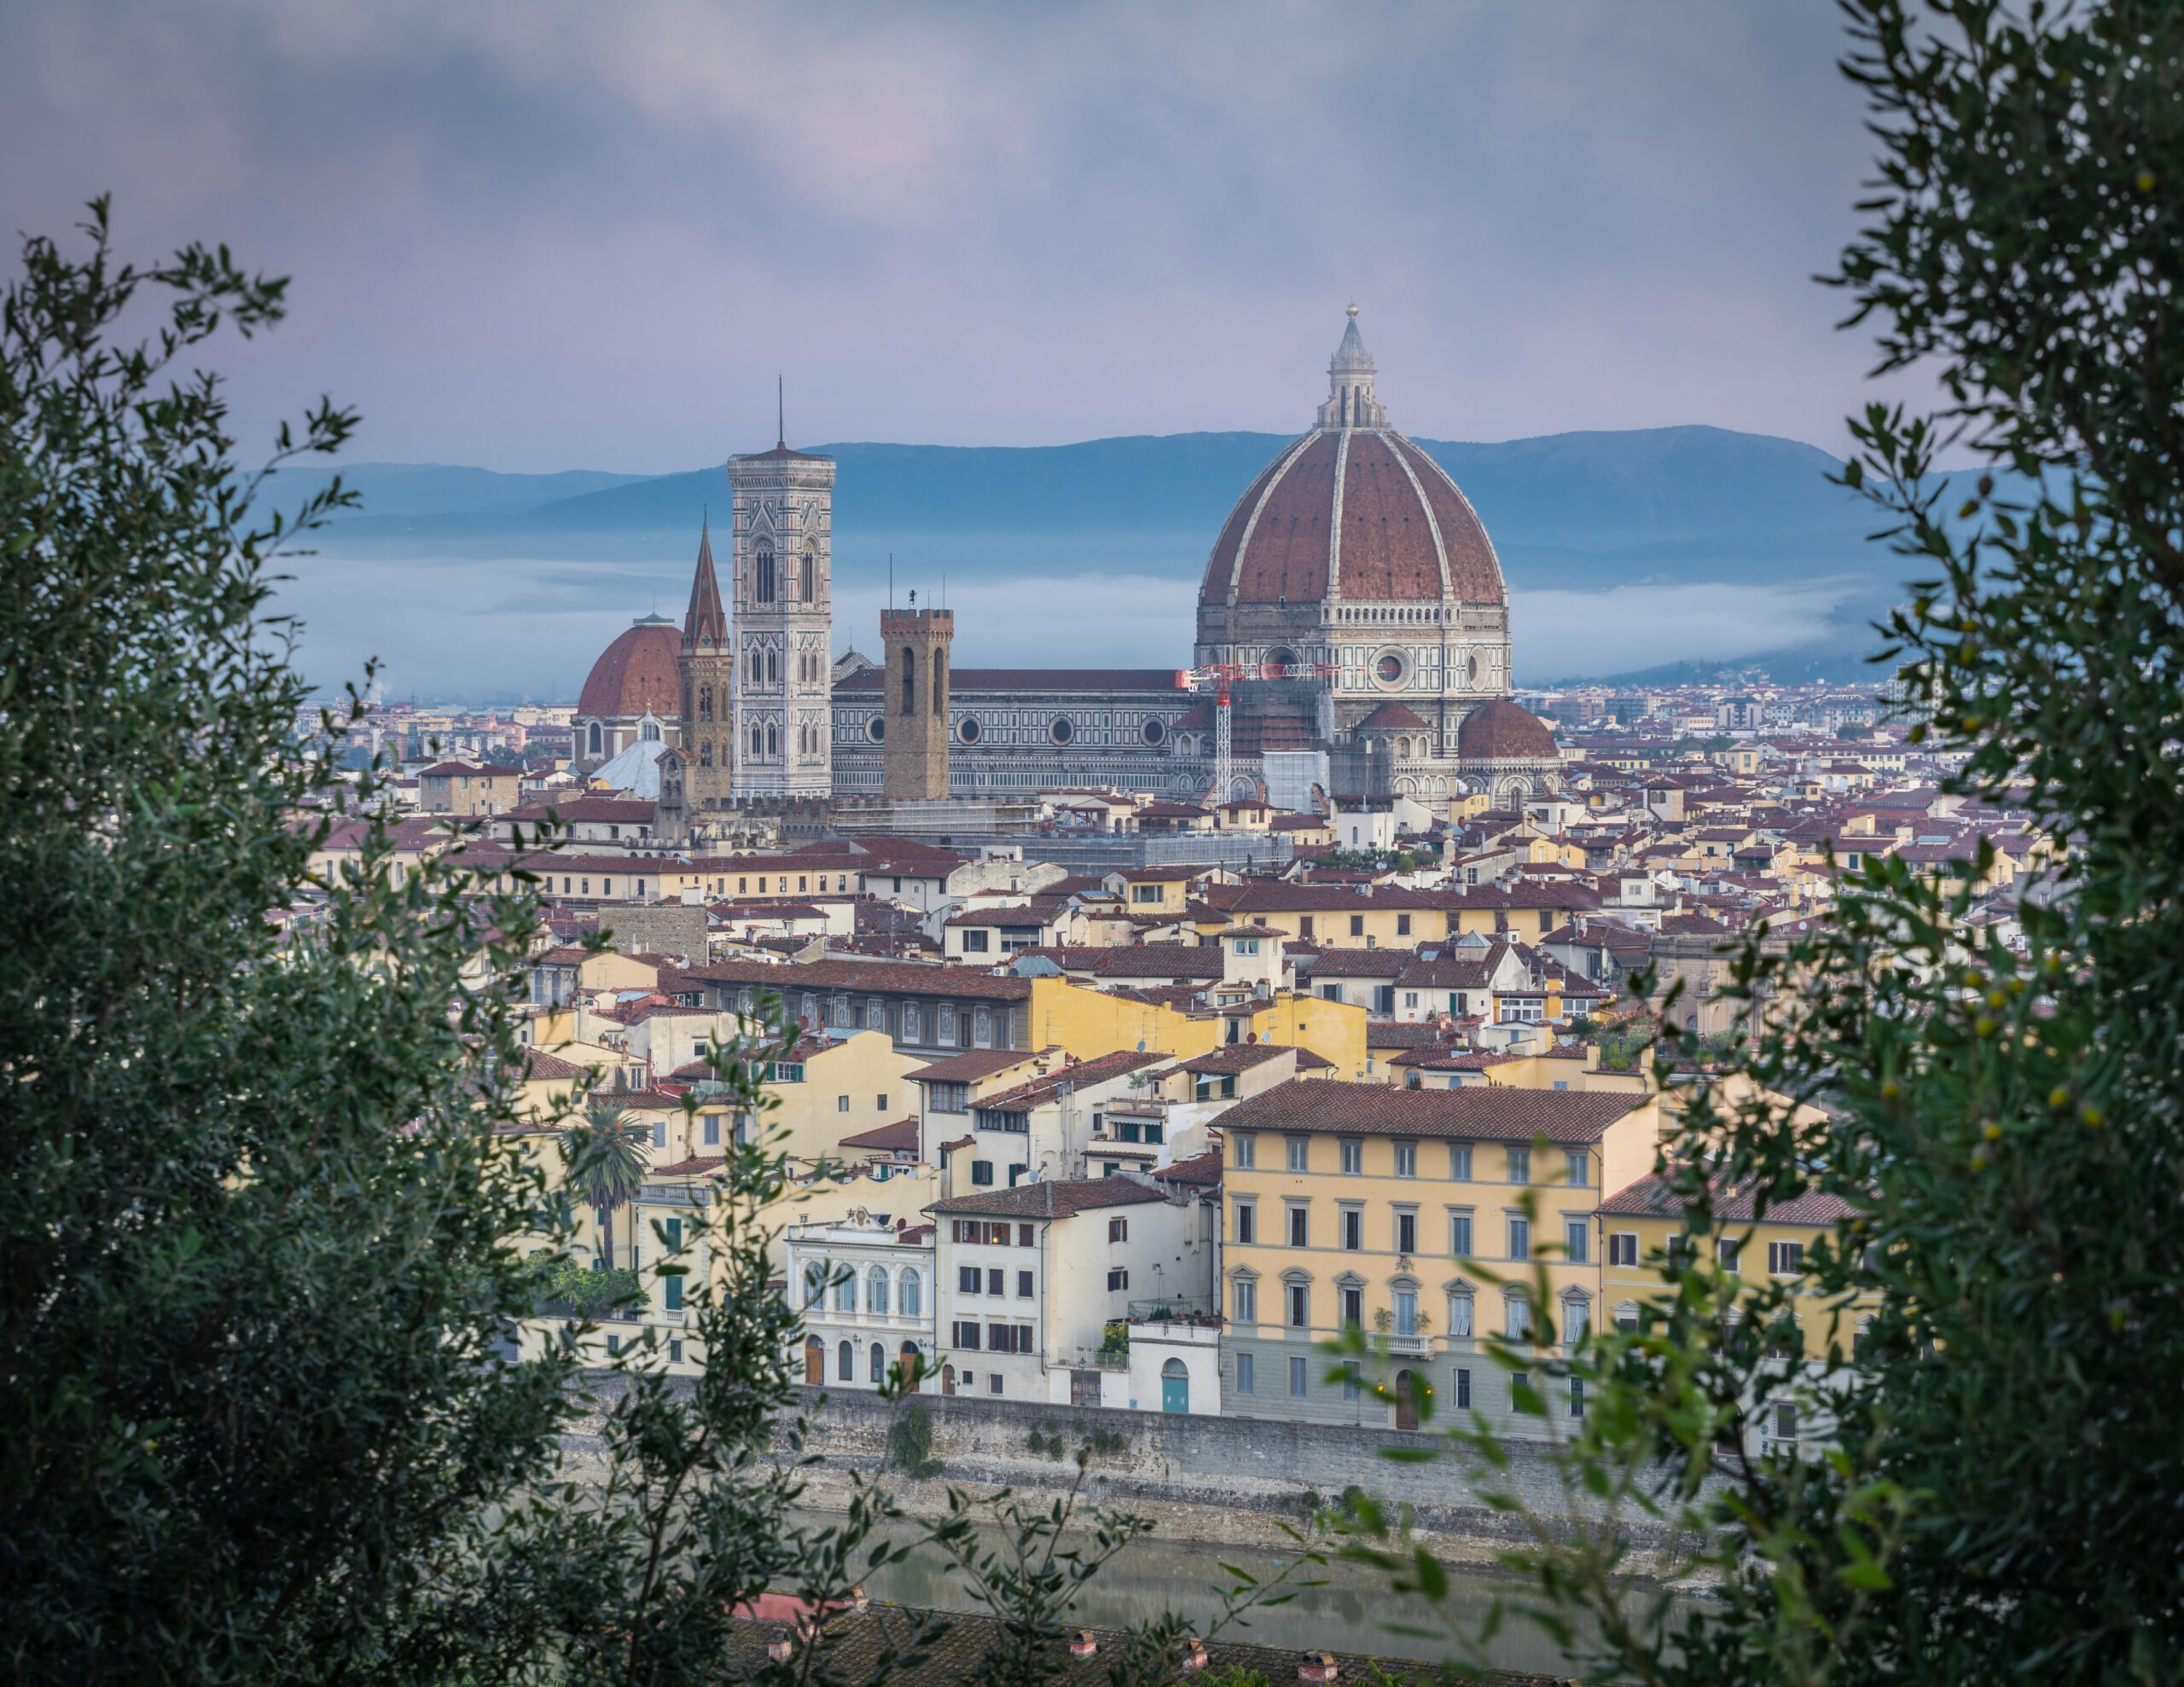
(913, 752)
(706, 668)
(783, 596)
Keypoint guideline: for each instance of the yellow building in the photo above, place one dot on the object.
(1642, 1223)
(468, 788)
(1358, 1206)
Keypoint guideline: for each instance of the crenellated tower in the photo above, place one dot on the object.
(913, 751)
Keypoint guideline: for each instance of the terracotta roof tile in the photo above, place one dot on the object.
(1487, 1115)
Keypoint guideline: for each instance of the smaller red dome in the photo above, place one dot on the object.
(637, 674)
(1502, 730)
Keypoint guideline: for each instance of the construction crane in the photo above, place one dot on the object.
(1221, 679)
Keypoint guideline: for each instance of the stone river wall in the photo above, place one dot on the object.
(1229, 1480)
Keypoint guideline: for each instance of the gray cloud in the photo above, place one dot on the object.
(540, 233)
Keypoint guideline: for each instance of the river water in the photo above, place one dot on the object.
(1350, 1612)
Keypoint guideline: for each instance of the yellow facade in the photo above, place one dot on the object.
(1089, 1023)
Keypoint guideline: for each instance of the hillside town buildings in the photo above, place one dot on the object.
(1105, 1083)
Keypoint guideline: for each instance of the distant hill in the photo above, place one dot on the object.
(1581, 510)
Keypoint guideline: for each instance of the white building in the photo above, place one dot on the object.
(866, 1291)
(1030, 1279)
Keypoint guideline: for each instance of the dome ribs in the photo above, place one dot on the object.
(1388, 548)
(1285, 555)
(1474, 572)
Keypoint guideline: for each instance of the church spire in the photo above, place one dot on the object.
(706, 622)
(1349, 401)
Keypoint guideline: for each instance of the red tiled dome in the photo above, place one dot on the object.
(636, 672)
(1502, 730)
(1408, 534)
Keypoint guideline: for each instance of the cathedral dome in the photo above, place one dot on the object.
(1352, 511)
(1502, 730)
(636, 674)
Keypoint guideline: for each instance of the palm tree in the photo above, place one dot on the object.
(607, 1163)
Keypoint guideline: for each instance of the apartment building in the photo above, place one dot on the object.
(865, 1288)
(1030, 1278)
(1359, 1205)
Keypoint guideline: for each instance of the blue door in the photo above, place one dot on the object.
(1175, 1387)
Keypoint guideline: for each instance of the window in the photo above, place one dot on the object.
(1405, 1232)
(1459, 1311)
(1353, 1157)
(1299, 1298)
(981, 1171)
(1353, 1229)
(815, 1282)
(807, 585)
(1247, 1223)
(846, 1293)
(1353, 1380)
(1520, 1238)
(1402, 926)
(1299, 1151)
(1303, 922)
(845, 1363)
(1784, 1259)
(1352, 1302)
(1119, 1279)
(1577, 1323)
(1023, 1285)
(1247, 1153)
(1460, 1162)
(1726, 1251)
(1358, 925)
(1520, 1165)
(1463, 1387)
(1298, 1232)
(1459, 1235)
(1577, 1167)
(1521, 1383)
(876, 1290)
(1023, 1235)
(993, 1382)
(1577, 1397)
(1406, 1311)
(907, 1294)
(841, 1104)
(1118, 1230)
(974, 941)
(1406, 1159)
(1246, 1383)
(1577, 1239)
(968, 1279)
(763, 572)
(1785, 1421)
(1296, 1378)
(1622, 1248)
(1626, 1316)
(997, 1280)
(967, 1336)
(1517, 1321)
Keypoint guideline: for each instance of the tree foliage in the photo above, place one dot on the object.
(2004, 1494)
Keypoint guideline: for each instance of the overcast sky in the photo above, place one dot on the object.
(554, 233)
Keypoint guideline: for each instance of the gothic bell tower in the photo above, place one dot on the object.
(783, 594)
(707, 669)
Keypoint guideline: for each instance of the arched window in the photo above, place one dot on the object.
(940, 682)
(705, 753)
(705, 703)
(772, 667)
(845, 1363)
(846, 1292)
(878, 1364)
(875, 1290)
(763, 572)
(773, 743)
(808, 581)
(758, 740)
(908, 1292)
(909, 679)
(594, 738)
(815, 1282)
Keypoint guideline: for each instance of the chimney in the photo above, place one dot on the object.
(1083, 1645)
(1318, 1666)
